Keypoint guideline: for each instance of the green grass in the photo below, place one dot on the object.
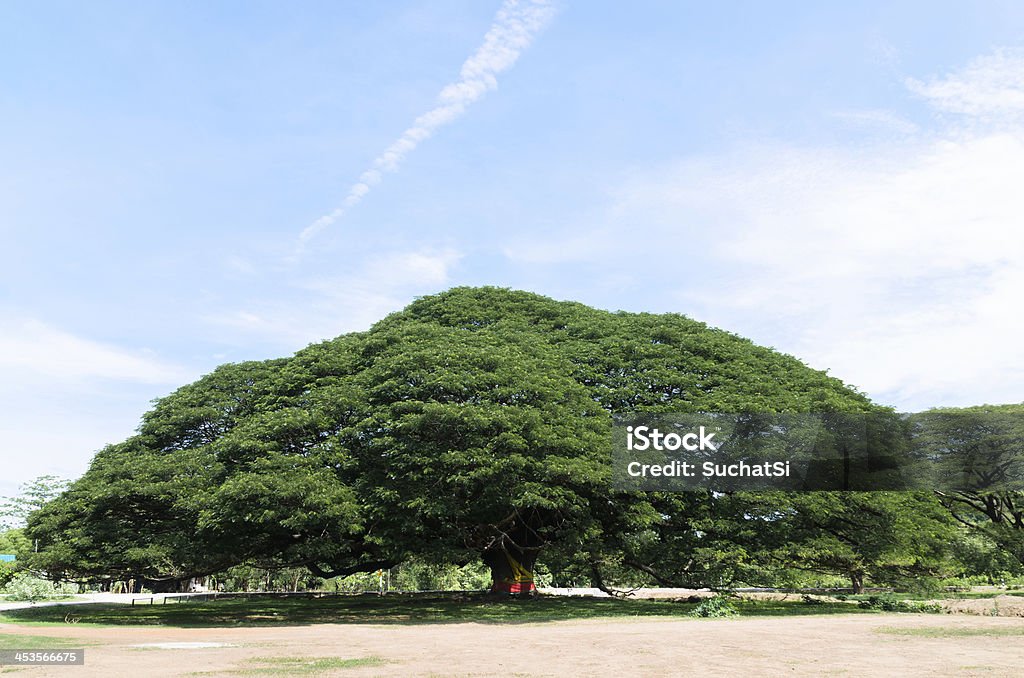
(50, 598)
(943, 595)
(301, 666)
(268, 610)
(791, 608)
(953, 631)
(392, 609)
(9, 641)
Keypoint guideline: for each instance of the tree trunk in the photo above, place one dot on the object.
(857, 581)
(512, 554)
(165, 585)
(511, 570)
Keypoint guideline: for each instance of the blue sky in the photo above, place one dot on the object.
(839, 182)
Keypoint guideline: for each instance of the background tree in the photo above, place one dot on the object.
(885, 536)
(12, 542)
(14, 511)
(979, 450)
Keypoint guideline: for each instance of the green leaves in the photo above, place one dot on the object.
(982, 450)
(33, 496)
(469, 416)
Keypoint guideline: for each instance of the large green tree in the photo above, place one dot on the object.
(472, 424)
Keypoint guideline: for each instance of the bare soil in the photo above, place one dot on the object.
(1000, 606)
(851, 645)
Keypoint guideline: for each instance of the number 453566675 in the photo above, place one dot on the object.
(37, 657)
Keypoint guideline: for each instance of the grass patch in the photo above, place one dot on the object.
(795, 608)
(952, 631)
(887, 602)
(302, 666)
(942, 595)
(12, 641)
(396, 609)
(392, 609)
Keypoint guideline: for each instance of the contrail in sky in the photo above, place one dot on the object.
(514, 27)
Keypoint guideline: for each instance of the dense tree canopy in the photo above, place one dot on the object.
(474, 423)
(982, 449)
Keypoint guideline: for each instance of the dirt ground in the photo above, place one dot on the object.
(851, 645)
(1000, 606)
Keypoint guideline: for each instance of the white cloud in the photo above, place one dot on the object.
(899, 273)
(28, 346)
(238, 266)
(327, 306)
(427, 268)
(515, 25)
(65, 396)
(991, 85)
(898, 266)
(31, 445)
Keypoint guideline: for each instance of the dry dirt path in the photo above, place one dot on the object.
(843, 645)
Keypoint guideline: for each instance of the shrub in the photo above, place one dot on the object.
(30, 588)
(885, 602)
(718, 606)
(889, 603)
(421, 575)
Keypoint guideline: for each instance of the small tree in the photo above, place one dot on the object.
(33, 495)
